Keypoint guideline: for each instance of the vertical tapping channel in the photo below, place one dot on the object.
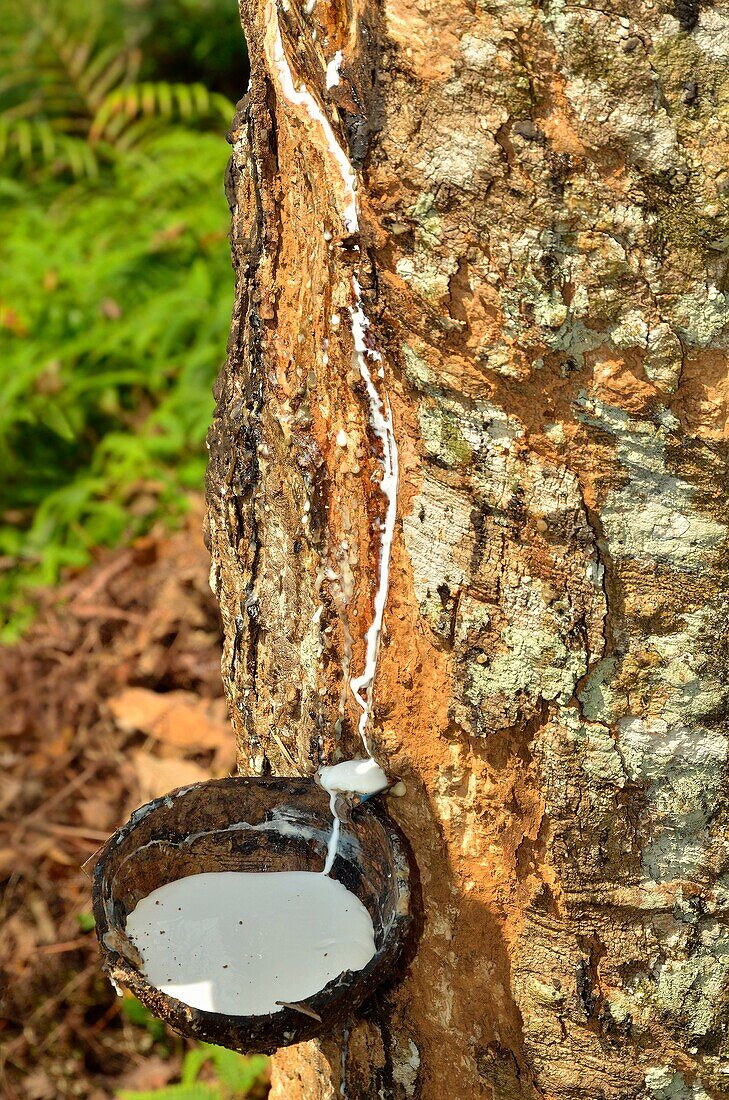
(381, 421)
(364, 358)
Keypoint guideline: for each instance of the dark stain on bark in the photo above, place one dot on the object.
(687, 13)
(584, 988)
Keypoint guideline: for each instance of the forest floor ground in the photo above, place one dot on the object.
(112, 698)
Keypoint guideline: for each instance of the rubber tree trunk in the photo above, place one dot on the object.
(541, 255)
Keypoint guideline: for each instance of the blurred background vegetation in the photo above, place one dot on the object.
(115, 296)
(115, 279)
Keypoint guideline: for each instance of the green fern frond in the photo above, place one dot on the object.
(177, 1092)
(172, 102)
(165, 99)
(19, 77)
(35, 142)
(139, 133)
(63, 80)
(106, 70)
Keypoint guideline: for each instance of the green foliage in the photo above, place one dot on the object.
(235, 1075)
(138, 1014)
(70, 98)
(114, 305)
(190, 40)
(86, 922)
(115, 288)
(176, 1092)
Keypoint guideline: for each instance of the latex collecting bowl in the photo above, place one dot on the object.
(252, 824)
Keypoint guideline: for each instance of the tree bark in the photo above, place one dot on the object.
(542, 255)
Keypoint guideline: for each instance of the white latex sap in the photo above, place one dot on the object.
(363, 777)
(356, 776)
(365, 359)
(238, 942)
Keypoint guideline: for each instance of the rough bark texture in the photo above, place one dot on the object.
(543, 259)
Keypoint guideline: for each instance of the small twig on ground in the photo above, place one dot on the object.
(98, 611)
(60, 948)
(59, 829)
(67, 789)
(102, 578)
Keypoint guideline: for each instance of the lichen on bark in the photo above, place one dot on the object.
(543, 230)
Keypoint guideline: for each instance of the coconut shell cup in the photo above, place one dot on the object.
(252, 824)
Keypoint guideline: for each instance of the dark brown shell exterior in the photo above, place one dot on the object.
(252, 824)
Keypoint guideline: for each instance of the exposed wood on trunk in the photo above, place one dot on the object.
(541, 247)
